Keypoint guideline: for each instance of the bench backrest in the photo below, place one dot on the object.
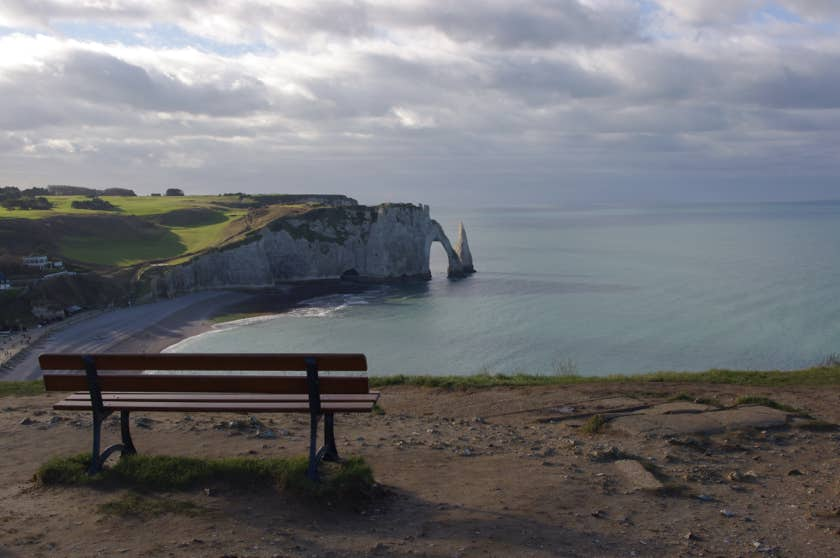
(206, 382)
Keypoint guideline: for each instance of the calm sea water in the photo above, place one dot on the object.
(610, 290)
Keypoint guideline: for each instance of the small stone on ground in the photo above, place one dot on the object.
(637, 476)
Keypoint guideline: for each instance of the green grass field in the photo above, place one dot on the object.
(139, 206)
(124, 252)
(181, 227)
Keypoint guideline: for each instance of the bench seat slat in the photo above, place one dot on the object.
(204, 361)
(190, 383)
(218, 406)
(222, 397)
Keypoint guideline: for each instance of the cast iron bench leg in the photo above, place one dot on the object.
(125, 428)
(97, 459)
(314, 457)
(330, 452)
(95, 462)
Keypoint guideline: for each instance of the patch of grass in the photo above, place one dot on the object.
(594, 425)
(816, 376)
(483, 380)
(140, 205)
(125, 251)
(564, 367)
(34, 387)
(199, 238)
(350, 478)
(138, 505)
(767, 402)
(191, 217)
(66, 471)
(377, 409)
(829, 360)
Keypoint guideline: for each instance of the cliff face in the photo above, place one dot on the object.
(462, 249)
(379, 243)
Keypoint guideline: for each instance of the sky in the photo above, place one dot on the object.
(481, 102)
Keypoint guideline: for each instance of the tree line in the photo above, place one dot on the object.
(12, 197)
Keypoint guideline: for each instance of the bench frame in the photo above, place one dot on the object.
(328, 452)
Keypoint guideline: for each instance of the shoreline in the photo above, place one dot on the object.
(152, 327)
(185, 324)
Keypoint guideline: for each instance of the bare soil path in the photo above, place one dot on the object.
(492, 472)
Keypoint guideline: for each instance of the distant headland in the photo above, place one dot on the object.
(66, 247)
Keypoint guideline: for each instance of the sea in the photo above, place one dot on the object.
(592, 291)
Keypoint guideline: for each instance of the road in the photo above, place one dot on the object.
(167, 320)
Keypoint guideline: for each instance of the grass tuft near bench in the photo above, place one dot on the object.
(350, 479)
(815, 376)
(19, 388)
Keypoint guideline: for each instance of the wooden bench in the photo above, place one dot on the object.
(237, 393)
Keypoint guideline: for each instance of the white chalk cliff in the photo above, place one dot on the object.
(462, 250)
(381, 243)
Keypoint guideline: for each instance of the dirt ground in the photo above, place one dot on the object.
(493, 472)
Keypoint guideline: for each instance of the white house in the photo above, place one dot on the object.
(4, 283)
(36, 261)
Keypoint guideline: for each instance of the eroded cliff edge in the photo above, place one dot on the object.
(369, 243)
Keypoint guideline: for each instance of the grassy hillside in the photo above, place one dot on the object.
(138, 206)
(141, 229)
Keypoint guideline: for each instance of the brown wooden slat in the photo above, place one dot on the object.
(222, 397)
(206, 383)
(205, 361)
(209, 406)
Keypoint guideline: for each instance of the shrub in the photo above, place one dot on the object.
(594, 425)
(26, 203)
(94, 204)
(125, 192)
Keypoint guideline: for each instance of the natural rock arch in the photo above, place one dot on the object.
(381, 243)
(455, 268)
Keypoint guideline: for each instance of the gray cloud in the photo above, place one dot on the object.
(538, 100)
(813, 8)
(540, 23)
(791, 87)
(103, 79)
(544, 81)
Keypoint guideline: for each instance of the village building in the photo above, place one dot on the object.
(42, 262)
(36, 261)
(4, 282)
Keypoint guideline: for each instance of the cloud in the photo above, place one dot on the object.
(378, 96)
(797, 87)
(813, 8)
(536, 24)
(710, 12)
(104, 79)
